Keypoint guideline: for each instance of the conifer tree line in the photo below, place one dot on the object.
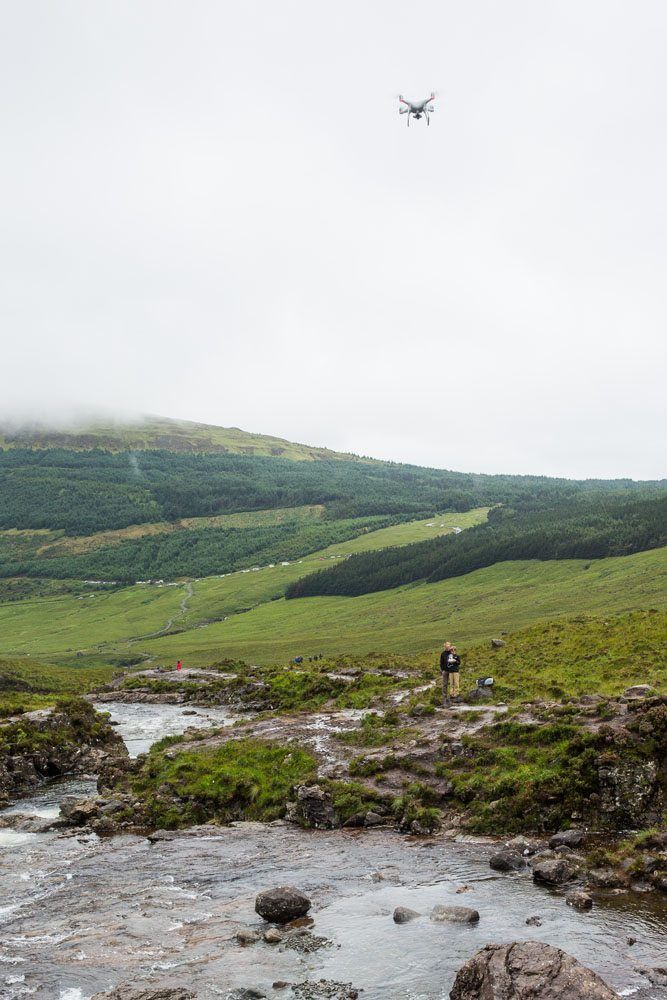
(81, 492)
(590, 526)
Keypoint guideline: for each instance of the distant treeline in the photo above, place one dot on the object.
(585, 527)
(85, 492)
(192, 552)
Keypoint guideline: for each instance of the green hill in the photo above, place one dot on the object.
(162, 434)
(419, 617)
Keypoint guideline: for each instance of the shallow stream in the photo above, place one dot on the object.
(79, 914)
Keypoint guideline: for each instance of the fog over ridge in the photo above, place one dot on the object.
(216, 213)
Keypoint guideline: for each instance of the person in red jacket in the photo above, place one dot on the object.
(179, 665)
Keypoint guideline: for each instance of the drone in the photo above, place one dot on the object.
(417, 110)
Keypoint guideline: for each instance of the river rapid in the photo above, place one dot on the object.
(79, 914)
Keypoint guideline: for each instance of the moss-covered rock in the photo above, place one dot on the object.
(71, 739)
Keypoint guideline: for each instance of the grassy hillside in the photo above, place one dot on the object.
(164, 434)
(193, 551)
(418, 617)
(575, 656)
(26, 684)
(62, 623)
(410, 619)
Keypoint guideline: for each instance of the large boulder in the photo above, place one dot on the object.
(313, 808)
(556, 872)
(525, 970)
(454, 915)
(282, 904)
(507, 861)
(607, 878)
(639, 691)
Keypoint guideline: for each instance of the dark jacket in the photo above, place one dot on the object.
(451, 662)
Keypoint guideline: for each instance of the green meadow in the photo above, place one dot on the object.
(64, 624)
(417, 618)
(69, 642)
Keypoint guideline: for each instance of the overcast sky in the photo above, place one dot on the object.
(212, 210)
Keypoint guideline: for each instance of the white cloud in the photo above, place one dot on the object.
(213, 211)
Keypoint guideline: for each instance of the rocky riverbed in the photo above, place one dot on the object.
(81, 913)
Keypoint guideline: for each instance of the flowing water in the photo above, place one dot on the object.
(79, 914)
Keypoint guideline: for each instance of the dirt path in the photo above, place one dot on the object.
(183, 607)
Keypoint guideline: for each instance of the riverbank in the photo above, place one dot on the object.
(82, 912)
(39, 746)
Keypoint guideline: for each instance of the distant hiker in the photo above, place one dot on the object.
(179, 665)
(450, 665)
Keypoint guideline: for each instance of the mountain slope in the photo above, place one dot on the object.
(164, 434)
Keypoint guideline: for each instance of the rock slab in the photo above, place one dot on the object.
(556, 872)
(525, 970)
(282, 904)
(454, 915)
(507, 861)
(566, 838)
(129, 991)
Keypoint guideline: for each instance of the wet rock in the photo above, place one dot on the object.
(304, 942)
(373, 819)
(159, 836)
(631, 941)
(247, 936)
(80, 812)
(273, 936)
(282, 904)
(325, 989)
(524, 845)
(130, 991)
(280, 984)
(525, 970)
(607, 878)
(356, 820)
(245, 993)
(403, 914)
(579, 899)
(534, 921)
(657, 975)
(298, 923)
(630, 794)
(566, 838)
(454, 915)
(507, 861)
(386, 875)
(312, 808)
(556, 872)
(544, 854)
(189, 711)
(419, 830)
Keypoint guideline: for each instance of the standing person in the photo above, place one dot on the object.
(453, 673)
(450, 665)
(443, 672)
(179, 665)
